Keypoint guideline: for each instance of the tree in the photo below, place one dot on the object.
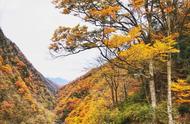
(115, 78)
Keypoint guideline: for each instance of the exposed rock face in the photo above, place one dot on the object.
(10, 49)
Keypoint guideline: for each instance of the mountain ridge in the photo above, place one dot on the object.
(5, 40)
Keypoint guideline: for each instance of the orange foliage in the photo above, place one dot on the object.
(66, 11)
(24, 90)
(137, 3)
(7, 69)
(22, 86)
(53, 46)
(168, 9)
(106, 11)
(7, 105)
(20, 64)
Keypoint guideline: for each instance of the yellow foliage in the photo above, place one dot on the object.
(29, 97)
(166, 45)
(141, 52)
(88, 112)
(134, 32)
(119, 40)
(138, 52)
(182, 91)
(116, 41)
(88, 100)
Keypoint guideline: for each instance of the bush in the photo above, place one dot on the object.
(138, 112)
(161, 113)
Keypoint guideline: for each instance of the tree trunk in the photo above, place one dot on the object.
(152, 85)
(169, 77)
(112, 95)
(125, 91)
(152, 90)
(151, 68)
(169, 104)
(116, 96)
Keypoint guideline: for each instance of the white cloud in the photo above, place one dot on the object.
(30, 24)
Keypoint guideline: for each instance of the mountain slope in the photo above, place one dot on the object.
(26, 95)
(87, 99)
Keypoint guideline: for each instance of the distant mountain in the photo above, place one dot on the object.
(58, 81)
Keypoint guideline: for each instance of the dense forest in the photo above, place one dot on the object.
(143, 75)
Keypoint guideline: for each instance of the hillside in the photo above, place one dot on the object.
(117, 96)
(26, 96)
(87, 100)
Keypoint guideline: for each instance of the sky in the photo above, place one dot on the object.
(30, 24)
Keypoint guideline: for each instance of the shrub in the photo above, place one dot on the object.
(138, 112)
(161, 113)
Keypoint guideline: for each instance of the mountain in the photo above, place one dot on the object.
(26, 96)
(58, 81)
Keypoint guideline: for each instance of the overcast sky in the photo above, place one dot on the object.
(30, 24)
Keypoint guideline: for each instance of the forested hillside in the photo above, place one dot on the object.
(104, 95)
(88, 99)
(26, 97)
